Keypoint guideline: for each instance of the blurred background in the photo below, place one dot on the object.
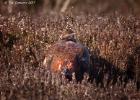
(100, 7)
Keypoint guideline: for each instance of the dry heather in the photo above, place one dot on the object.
(22, 75)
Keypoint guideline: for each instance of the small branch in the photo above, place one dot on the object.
(65, 6)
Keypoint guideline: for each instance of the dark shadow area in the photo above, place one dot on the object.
(101, 68)
(133, 68)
